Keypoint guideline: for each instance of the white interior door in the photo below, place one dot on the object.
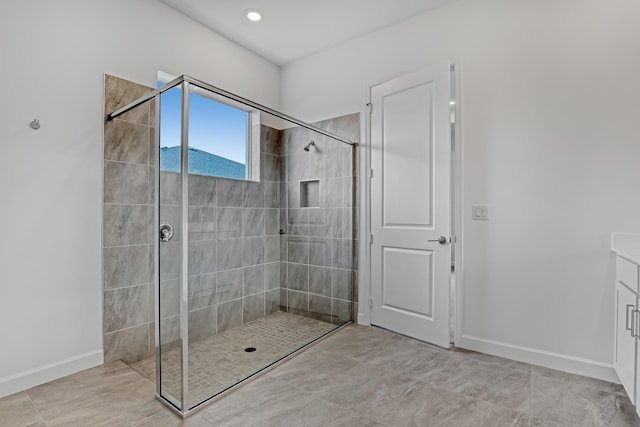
(410, 205)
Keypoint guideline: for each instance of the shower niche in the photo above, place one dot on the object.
(310, 193)
(231, 295)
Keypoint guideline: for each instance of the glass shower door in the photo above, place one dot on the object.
(169, 358)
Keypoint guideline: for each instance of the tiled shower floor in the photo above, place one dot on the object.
(221, 361)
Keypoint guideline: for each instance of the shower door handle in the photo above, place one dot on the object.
(166, 232)
(442, 240)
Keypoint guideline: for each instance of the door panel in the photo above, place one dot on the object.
(410, 204)
(402, 268)
(406, 117)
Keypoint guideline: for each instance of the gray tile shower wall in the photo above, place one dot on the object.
(234, 248)
(128, 203)
(319, 205)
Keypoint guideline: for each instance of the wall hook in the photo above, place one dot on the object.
(35, 124)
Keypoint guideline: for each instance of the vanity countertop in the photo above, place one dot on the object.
(626, 245)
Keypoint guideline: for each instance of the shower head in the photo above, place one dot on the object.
(306, 147)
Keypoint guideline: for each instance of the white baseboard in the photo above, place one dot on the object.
(363, 320)
(52, 371)
(561, 362)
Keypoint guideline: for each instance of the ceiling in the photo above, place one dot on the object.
(292, 29)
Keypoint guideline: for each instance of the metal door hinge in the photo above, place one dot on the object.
(370, 107)
(371, 239)
(370, 302)
(370, 173)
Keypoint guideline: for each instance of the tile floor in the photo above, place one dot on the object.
(359, 376)
(219, 362)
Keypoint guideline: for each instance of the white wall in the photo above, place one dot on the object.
(53, 56)
(550, 112)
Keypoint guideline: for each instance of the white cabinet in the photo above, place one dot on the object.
(626, 343)
(626, 358)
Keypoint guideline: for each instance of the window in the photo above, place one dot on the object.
(220, 134)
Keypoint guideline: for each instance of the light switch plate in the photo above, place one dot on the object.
(480, 212)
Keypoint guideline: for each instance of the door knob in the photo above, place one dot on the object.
(442, 240)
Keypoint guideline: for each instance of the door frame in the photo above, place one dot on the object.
(457, 208)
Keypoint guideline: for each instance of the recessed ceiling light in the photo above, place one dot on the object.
(253, 15)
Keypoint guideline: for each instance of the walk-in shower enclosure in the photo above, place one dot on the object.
(253, 258)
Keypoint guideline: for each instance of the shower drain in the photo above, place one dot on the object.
(250, 349)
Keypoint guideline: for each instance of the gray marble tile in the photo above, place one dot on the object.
(426, 405)
(571, 381)
(272, 195)
(361, 391)
(272, 275)
(332, 196)
(253, 195)
(126, 142)
(357, 342)
(298, 222)
(253, 222)
(229, 315)
(272, 301)
(341, 311)
(342, 284)
(202, 323)
(348, 186)
(284, 275)
(170, 331)
(18, 410)
(320, 251)
(169, 298)
(202, 258)
(625, 414)
(264, 402)
(202, 223)
(252, 251)
(229, 254)
(229, 223)
(298, 303)
(272, 249)
(270, 140)
(202, 291)
(125, 225)
(253, 280)
(170, 188)
(298, 249)
(320, 281)
(342, 255)
(486, 381)
(271, 167)
(253, 307)
(229, 192)
(202, 190)
(321, 413)
(126, 307)
(126, 266)
(120, 92)
(298, 277)
(153, 186)
(571, 403)
(319, 225)
(284, 300)
(170, 253)
(320, 308)
(128, 345)
(171, 215)
(272, 224)
(314, 370)
(229, 285)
